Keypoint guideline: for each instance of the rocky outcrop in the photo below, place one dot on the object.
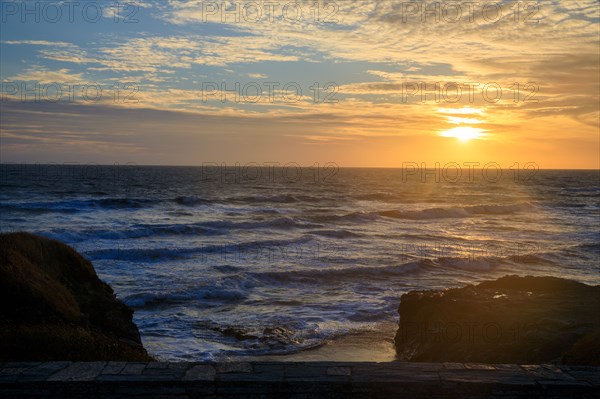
(53, 306)
(513, 319)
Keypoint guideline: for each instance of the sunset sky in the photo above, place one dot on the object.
(376, 64)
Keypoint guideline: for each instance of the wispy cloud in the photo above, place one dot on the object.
(40, 74)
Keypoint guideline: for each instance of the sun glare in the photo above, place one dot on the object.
(459, 121)
(461, 111)
(464, 133)
(463, 116)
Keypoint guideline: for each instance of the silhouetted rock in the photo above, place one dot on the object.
(510, 320)
(53, 306)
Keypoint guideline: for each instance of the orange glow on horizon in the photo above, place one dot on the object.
(464, 133)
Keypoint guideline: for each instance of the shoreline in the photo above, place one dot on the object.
(366, 346)
(65, 312)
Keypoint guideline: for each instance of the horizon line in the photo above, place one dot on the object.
(74, 164)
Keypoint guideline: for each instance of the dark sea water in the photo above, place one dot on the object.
(226, 262)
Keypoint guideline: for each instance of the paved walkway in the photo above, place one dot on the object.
(294, 380)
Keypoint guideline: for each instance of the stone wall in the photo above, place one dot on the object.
(295, 380)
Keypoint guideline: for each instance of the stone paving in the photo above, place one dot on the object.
(295, 380)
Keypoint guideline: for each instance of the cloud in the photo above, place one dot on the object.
(373, 51)
(38, 73)
(38, 43)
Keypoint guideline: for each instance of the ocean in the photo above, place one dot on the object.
(227, 262)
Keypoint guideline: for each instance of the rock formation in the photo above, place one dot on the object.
(513, 319)
(53, 306)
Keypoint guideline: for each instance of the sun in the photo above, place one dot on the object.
(461, 117)
(464, 133)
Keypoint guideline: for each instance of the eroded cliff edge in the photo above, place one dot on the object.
(53, 306)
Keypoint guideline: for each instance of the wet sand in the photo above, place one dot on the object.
(371, 346)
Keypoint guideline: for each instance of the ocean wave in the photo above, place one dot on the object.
(276, 223)
(459, 212)
(329, 275)
(532, 258)
(582, 191)
(79, 205)
(469, 264)
(207, 228)
(568, 204)
(122, 203)
(142, 254)
(354, 217)
(502, 209)
(335, 233)
(432, 213)
(384, 197)
(187, 201)
(271, 337)
(278, 199)
(132, 232)
(282, 199)
(191, 200)
(363, 273)
(589, 247)
(486, 263)
(429, 213)
(245, 249)
(38, 207)
(204, 293)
